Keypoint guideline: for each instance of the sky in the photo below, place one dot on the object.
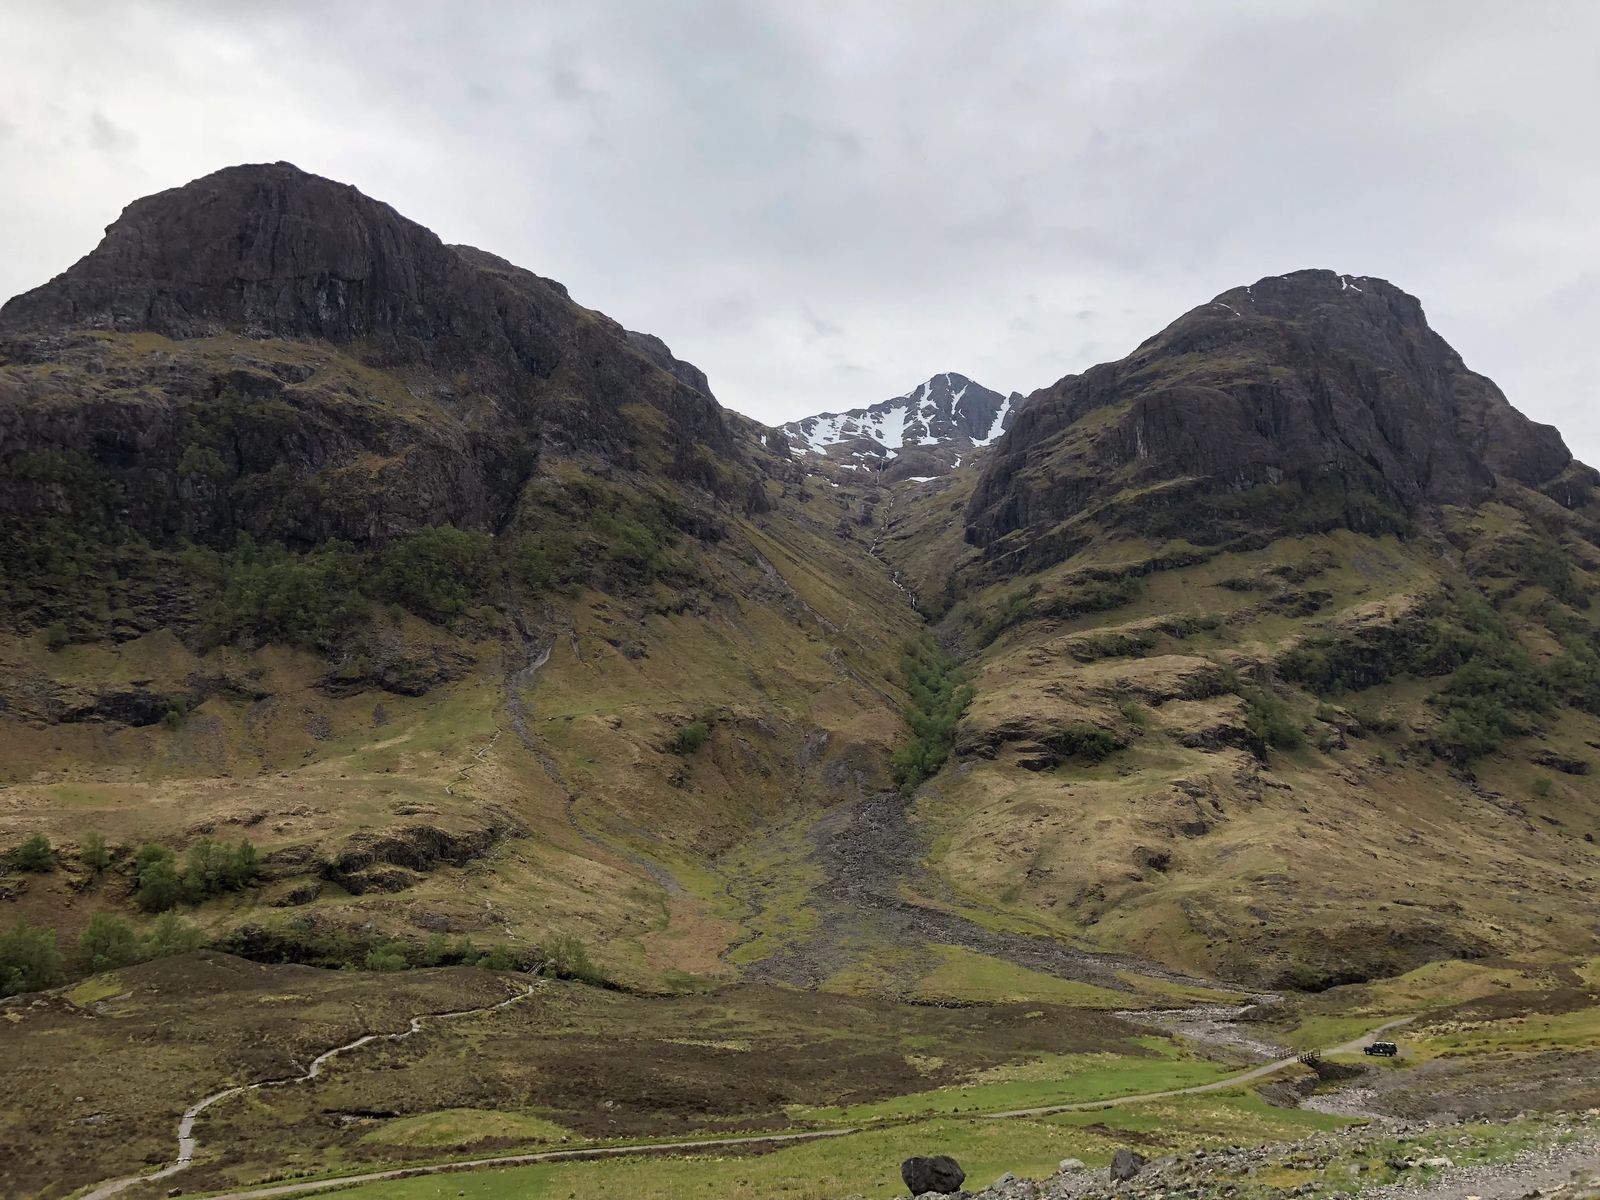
(823, 203)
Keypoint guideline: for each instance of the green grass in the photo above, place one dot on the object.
(1049, 1080)
(455, 1127)
(968, 975)
(866, 1163)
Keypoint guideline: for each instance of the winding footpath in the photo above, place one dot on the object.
(187, 1142)
(186, 1139)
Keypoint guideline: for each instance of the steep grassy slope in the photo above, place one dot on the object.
(1293, 723)
(472, 611)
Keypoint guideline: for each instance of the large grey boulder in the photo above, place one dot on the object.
(935, 1173)
(1125, 1164)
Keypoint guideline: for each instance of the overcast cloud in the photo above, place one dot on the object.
(823, 203)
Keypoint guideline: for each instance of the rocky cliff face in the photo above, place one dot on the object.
(1330, 389)
(927, 431)
(268, 351)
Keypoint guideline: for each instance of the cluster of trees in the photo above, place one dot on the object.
(31, 960)
(560, 957)
(209, 868)
(939, 694)
(268, 593)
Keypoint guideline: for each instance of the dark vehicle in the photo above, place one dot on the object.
(1386, 1049)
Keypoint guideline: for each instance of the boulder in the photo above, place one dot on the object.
(935, 1173)
(1125, 1164)
(1072, 1164)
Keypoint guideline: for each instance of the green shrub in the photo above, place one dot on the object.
(159, 887)
(1271, 721)
(566, 957)
(547, 561)
(96, 855)
(390, 956)
(1006, 614)
(56, 637)
(499, 958)
(690, 738)
(1134, 712)
(210, 868)
(1541, 787)
(35, 854)
(632, 538)
(939, 695)
(170, 935)
(29, 959)
(437, 571)
(109, 942)
(268, 594)
(1085, 743)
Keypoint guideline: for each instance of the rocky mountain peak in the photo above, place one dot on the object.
(925, 431)
(265, 250)
(1311, 382)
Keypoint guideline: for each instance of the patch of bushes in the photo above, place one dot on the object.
(209, 869)
(1085, 743)
(1007, 613)
(690, 738)
(35, 854)
(266, 593)
(110, 942)
(1536, 558)
(1091, 596)
(389, 956)
(96, 854)
(436, 572)
(546, 561)
(1450, 631)
(939, 694)
(566, 957)
(29, 959)
(1270, 720)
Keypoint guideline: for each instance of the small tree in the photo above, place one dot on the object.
(159, 885)
(96, 854)
(566, 957)
(435, 950)
(390, 956)
(34, 854)
(170, 934)
(29, 959)
(109, 942)
(690, 738)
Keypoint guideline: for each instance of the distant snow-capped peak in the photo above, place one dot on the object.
(935, 423)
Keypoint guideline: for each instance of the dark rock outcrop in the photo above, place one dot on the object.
(368, 377)
(1331, 391)
(935, 1173)
(1125, 1164)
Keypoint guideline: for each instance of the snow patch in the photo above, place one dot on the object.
(996, 427)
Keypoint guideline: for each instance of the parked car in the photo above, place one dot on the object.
(1386, 1049)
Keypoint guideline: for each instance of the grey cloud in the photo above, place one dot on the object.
(807, 197)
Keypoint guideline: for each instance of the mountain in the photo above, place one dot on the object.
(371, 603)
(1329, 388)
(300, 506)
(927, 431)
(1283, 648)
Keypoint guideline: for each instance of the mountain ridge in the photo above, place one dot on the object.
(336, 501)
(928, 430)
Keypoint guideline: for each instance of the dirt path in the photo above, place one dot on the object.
(1219, 1085)
(188, 1142)
(602, 1152)
(865, 849)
